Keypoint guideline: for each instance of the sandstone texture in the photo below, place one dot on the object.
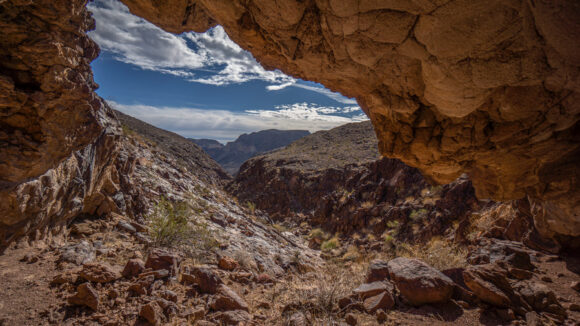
(489, 88)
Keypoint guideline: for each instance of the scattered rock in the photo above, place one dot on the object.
(64, 278)
(418, 282)
(264, 279)
(163, 259)
(575, 286)
(381, 316)
(547, 279)
(204, 278)
(377, 271)
(384, 300)
(234, 317)
(133, 268)
(488, 283)
(125, 226)
(227, 263)
(540, 298)
(78, 253)
(99, 273)
(298, 319)
(86, 296)
(350, 319)
(226, 299)
(82, 229)
(371, 289)
(574, 307)
(153, 313)
(167, 295)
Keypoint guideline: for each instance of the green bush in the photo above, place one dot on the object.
(170, 225)
(330, 244)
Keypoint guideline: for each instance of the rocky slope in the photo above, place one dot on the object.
(190, 155)
(441, 250)
(231, 155)
(121, 261)
(338, 180)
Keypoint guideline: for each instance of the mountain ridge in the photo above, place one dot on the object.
(233, 154)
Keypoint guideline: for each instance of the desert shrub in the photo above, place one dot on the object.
(317, 234)
(251, 207)
(279, 227)
(438, 253)
(330, 244)
(170, 225)
(352, 254)
(418, 214)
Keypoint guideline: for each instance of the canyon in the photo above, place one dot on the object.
(474, 106)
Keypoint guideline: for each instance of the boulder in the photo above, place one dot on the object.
(377, 271)
(86, 296)
(153, 313)
(383, 300)
(78, 253)
(205, 279)
(371, 289)
(418, 282)
(489, 284)
(133, 268)
(226, 299)
(99, 273)
(227, 263)
(163, 259)
(233, 317)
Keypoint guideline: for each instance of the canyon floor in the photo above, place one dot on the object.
(307, 235)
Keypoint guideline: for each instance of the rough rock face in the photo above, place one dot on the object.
(338, 180)
(490, 88)
(56, 138)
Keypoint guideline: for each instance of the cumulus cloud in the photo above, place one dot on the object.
(226, 125)
(209, 58)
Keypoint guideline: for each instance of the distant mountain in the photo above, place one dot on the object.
(233, 154)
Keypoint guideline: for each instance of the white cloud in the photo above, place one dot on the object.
(335, 96)
(279, 87)
(209, 58)
(227, 125)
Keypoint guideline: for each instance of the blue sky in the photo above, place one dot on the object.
(202, 85)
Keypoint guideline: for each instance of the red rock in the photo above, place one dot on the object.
(86, 296)
(234, 317)
(384, 300)
(488, 283)
(264, 278)
(227, 263)
(418, 282)
(371, 289)
(153, 313)
(133, 268)
(99, 273)
(226, 299)
(163, 259)
(204, 278)
(377, 271)
(350, 319)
